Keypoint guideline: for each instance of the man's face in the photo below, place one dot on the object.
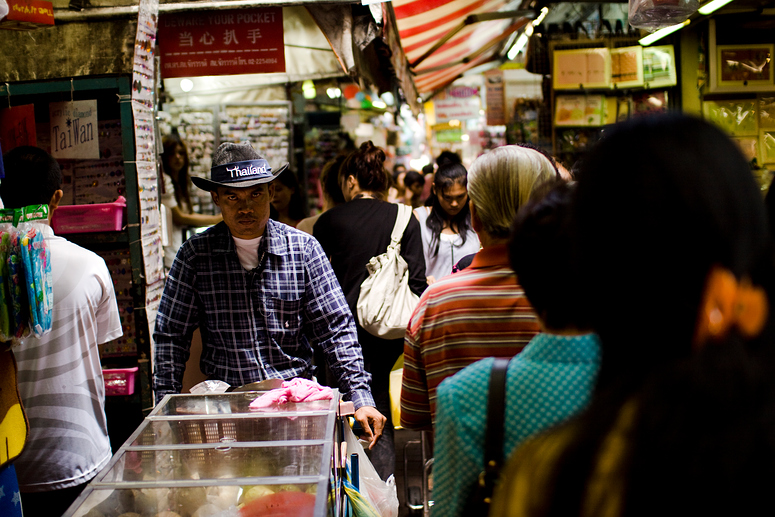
(245, 210)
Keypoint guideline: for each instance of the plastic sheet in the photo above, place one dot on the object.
(653, 15)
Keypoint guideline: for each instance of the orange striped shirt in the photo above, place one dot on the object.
(479, 312)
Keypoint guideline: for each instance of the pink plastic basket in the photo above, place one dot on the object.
(119, 381)
(99, 217)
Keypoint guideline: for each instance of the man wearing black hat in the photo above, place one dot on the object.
(261, 293)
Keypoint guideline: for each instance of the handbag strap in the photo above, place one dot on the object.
(493, 435)
(402, 221)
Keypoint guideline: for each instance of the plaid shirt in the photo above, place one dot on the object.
(256, 324)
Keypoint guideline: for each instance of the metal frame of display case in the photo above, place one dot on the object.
(212, 403)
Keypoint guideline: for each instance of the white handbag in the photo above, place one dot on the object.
(386, 303)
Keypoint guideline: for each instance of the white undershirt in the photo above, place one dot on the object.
(247, 251)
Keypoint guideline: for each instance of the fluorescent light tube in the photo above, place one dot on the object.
(661, 33)
(519, 45)
(712, 6)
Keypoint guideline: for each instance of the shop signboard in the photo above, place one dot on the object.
(17, 127)
(244, 41)
(456, 108)
(74, 130)
(496, 98)
(28, 15)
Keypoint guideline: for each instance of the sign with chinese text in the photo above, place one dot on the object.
(28, 15)
(455, 108)
(496, 99)
(74, 130)
(17, 127)
(244, 41)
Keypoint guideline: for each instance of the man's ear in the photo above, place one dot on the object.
(214, 195)
(55, 199)
(476, 223)
(270, 189)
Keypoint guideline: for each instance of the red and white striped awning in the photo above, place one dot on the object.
(424, 23)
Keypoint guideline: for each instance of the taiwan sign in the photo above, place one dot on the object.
(74, 130)
(244, 41)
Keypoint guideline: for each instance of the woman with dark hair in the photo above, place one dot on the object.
(675, 263)
(287, 199)
(447, 235)
(176, 197)
(332, 192)
(351, 234)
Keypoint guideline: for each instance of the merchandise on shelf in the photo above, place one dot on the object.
(266, 128)
(320, 146)
(120, 266)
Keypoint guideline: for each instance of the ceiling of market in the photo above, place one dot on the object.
(443, 39)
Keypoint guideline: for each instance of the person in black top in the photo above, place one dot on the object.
(353, 233)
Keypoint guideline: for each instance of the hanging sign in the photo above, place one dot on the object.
(17, 127)
(74, 130)
(244, 41)
(496, 99)
(453, 108)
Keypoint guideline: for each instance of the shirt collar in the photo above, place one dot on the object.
(491, 256)
(273, 239)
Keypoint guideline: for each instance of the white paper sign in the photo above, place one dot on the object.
(74, 131)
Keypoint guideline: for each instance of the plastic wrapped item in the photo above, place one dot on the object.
(208, 387)
(653, 15)
(18, 305)
(36, 260)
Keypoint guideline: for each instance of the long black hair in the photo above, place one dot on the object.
(448, 175)
(182, 194)
(659, 203)
(296, 203)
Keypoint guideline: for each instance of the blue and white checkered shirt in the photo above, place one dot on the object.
(256, 324)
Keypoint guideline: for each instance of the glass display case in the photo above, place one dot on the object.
(212, 456)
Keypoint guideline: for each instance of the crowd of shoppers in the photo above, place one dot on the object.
(634, 300)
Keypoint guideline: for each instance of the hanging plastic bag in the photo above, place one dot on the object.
(14, 290)
(7, 329)
(36, 259)
(653, 15)
(381, 494)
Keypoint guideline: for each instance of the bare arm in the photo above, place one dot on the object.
(181, 218)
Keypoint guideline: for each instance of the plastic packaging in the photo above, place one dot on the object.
(381, 494)
(653, 15)
(36, 260)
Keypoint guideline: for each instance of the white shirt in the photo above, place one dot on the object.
(247, 251)
(60, 376)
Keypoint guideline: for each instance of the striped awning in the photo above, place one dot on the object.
(439, 27)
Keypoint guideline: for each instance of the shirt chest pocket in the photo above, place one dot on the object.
(284, 321)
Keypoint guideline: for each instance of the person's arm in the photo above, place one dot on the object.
(182, 218)
(176, 321)
(107, 319)
(411, 251)
(415, 403)
(332, 327)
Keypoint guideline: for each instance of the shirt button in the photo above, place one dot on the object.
(287, 324)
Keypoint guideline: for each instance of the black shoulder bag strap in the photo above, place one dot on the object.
(479, 501)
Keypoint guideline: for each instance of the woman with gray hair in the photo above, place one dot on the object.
(497, 319)
(496, 196)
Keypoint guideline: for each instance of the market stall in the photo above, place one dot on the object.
(211, 455)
